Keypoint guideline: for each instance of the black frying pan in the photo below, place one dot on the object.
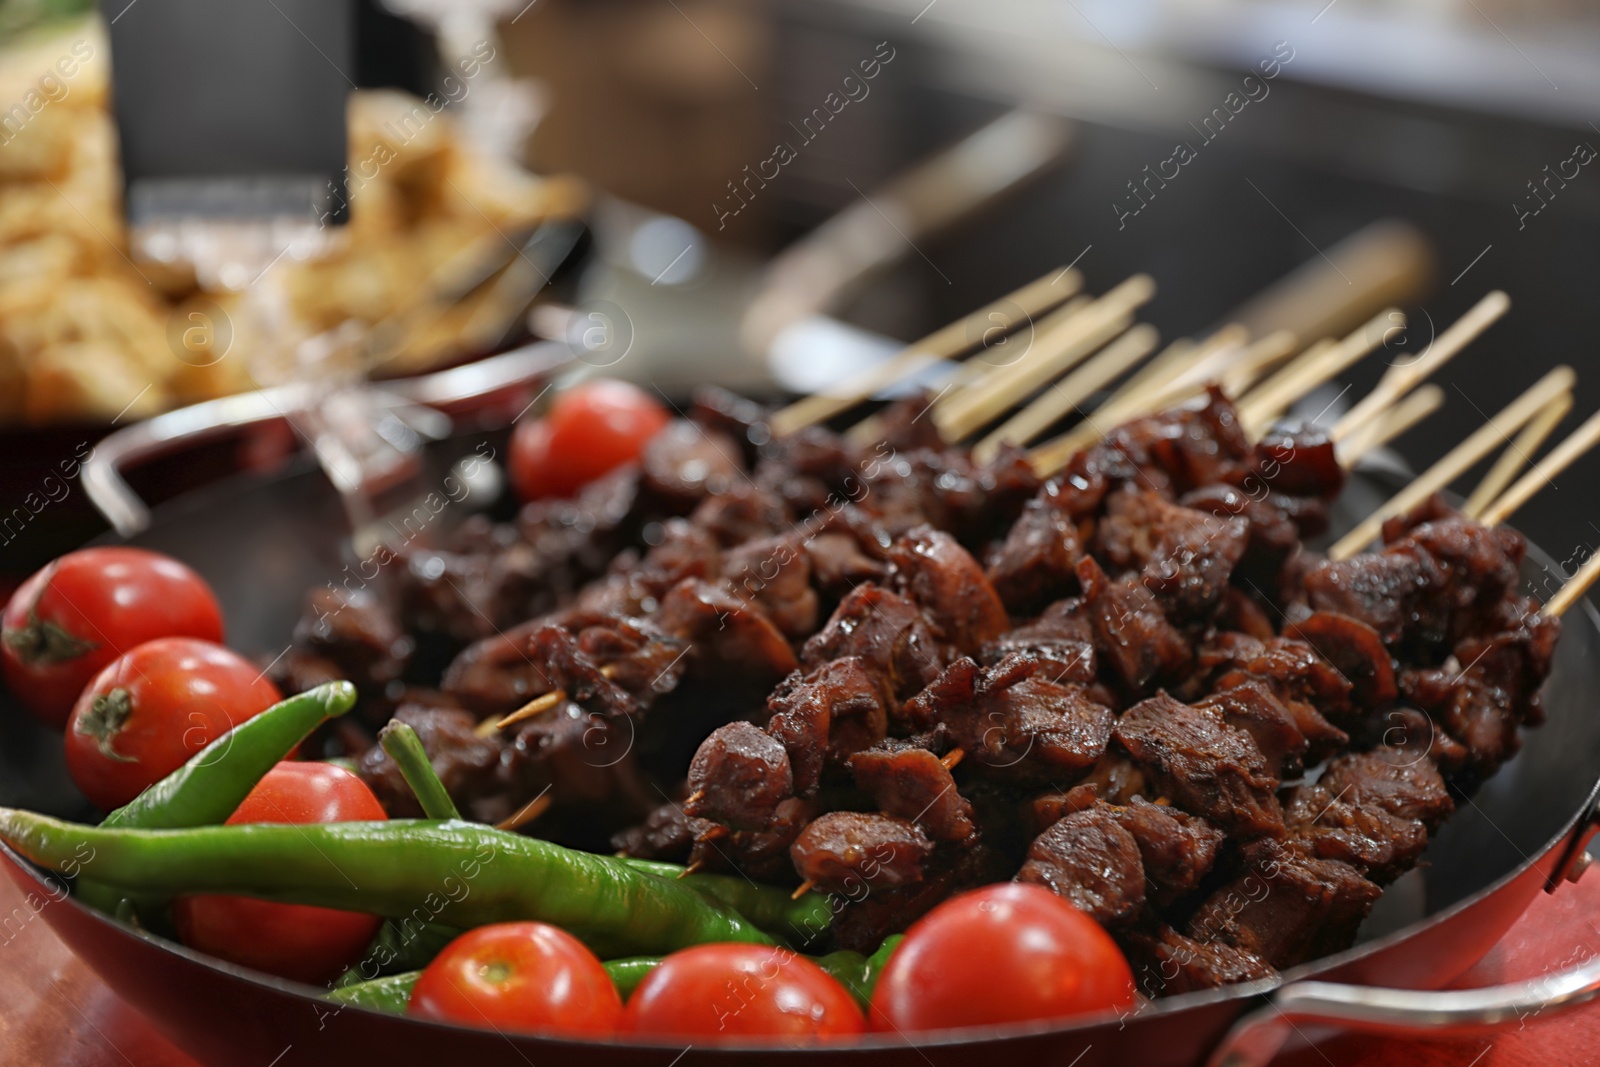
(262, 542)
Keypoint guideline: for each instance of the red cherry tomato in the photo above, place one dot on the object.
(142, 717)
(87, 608)
(519, 976)
(295, 941)
(1003, 953)
(591, 429)
(735, 991)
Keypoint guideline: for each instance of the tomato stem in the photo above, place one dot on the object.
(105, 719)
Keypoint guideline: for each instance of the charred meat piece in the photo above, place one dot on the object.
(838, 563)
(1131, 632)
(354, 633)
(1251, 707)
(566, 667)
(909, 781)
(1015, 722)
(739, 776)
(1373, 811)
(636, 654)
(1092, 861)
(726, 632)
(775, 572)
(1286, 907)
(1206, 766)
(1165, 963)
(736, 417)
(933, 570)
(1355, 650)
(826, 716)
(585, 760)
(1184, 556)
(1061, 639)
(744, 512)
(1178, 849)
(759, 854)
(685, 463)
(1309, 686)
(888, 633)
(1296, 462)
(667, 833)
(845, 851)
(1037, 562)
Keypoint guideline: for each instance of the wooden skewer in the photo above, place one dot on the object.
(1576, 586)
(870, 429)
(1518, 452)
(693, 867)
(1477, 445)
(716, 833)
(953, 757)
(965, 334)
(1258, 410)
(1151, 388)
(694, 798)
(526, 814)
(1064, 396)
(1412, 409)
(1257, 360)
(1400, 379)
(1560, 457)
(805, 887)
(1054, 352)
(537, 706)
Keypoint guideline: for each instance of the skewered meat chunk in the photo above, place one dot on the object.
(1165, 963)
(824, 717)
(1090, 860)
(1306, 684)
(909, 781)
(726, 631)
(667, 833)
(736, 417)
(1061, 639)
(867, 912)
(1287, 907)
(1299, 462)
(637, 655)
(353, 633)
(685, 463)
(1373, 811)
(838, 563)
(739, 775)
(933, 570)
(762, 854)
(1206, 766)
(744, 512)
(775, 573)
(1355, 650)
(845, 850)
(1037, 562)
(885, 631)
(1251, 707)
(1011, 719)
(1131, 632)
(1184, 556)
(1108, 859)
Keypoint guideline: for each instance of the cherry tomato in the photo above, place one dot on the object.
(142, 717)
(519, 976)
(734, 991)
(295, 941)
(591, 429)
(87, 608)
(1003, 953)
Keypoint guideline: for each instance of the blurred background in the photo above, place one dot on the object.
(765, 195)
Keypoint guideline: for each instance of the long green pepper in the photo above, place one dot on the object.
(214, 782)
(769, 907)
(459, 873)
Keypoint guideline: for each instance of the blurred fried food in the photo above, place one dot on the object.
(87, 333)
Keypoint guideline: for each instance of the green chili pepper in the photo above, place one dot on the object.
(859, 973)
(460, 873)
(390, 993)
(402, 745)
(214, 782)
(769, 908)
(627, 973)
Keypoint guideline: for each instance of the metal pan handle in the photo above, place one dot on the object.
(1257, 1037)
(455, 391)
